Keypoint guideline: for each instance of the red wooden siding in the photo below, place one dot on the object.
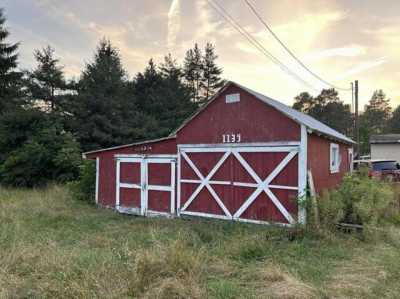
(107, 165)
(319, 162)
(253, 120)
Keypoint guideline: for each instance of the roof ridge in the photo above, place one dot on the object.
(297, 116)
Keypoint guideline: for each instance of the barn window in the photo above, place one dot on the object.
(232, 98)
(334, 158)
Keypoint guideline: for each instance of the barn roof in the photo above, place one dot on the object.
(127, 145)
(297, 116)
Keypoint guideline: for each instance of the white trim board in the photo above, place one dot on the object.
(302, 175)
(97, 179)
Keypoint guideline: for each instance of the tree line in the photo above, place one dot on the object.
(46, 120)
(377, 117)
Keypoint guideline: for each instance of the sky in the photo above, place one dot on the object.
(340, 40)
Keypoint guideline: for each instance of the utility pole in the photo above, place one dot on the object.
(356, 120)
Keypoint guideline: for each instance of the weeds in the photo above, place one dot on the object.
(55, 247)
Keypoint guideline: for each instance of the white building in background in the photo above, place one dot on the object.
(385, 146)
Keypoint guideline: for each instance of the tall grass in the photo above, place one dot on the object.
(55, 247)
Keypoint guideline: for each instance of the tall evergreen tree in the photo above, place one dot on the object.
(10, 77)
(394, 122)
(192, 68)
(46, 82)
(375, 118)
(377, 112)
(211, 75)
(162, 97)
(102, 95)
(170, 68)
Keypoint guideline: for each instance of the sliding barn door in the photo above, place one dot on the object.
(252, 184)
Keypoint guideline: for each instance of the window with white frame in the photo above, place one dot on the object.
(334, 158)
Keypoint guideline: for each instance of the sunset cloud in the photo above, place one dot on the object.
(321, 33)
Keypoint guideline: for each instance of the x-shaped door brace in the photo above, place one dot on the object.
(260, 185)
(264, 185)
(205, 182)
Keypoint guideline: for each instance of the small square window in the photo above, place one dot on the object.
(334, 158)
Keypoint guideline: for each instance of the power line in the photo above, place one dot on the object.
(288, 50)
(221, 11)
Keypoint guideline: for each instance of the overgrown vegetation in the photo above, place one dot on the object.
(84, 188)
(55, 247)
(358, 200)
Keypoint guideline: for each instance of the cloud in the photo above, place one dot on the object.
(362, 67)
(349, 51)
(174, 23)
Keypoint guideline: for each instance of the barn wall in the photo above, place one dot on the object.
(107, 165)
(319, 162)
(252, 119)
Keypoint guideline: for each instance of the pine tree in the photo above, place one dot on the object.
(211, 75)
(46, 82)
(375, 118)
(99, 109)
(193, 67)
(170, 68)
(394, 122)
(10, 78)
(377, 112)
(162, 98)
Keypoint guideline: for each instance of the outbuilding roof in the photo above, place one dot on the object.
(299, 117)
(386, 138)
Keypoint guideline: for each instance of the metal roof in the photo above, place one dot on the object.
(386, 138)
(128, 145)
(373, 160)
(299, 117)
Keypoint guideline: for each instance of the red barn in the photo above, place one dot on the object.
(242, 156)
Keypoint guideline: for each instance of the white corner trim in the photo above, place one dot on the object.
(302, 175)
(117, 182)
(97, 179)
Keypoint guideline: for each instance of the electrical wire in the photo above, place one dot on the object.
(252, 8)
(221, 11)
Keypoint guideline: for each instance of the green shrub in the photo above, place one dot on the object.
(85, 187)
(36, 150)
(358, 200)
(50, 156)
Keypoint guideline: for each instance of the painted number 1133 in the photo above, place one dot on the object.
(231, 138)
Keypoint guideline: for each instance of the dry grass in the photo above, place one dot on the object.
(270, 280)
(54, 247)
(169, 271)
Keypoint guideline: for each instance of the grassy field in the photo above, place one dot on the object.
(54, 247)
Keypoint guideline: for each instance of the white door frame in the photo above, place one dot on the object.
(261, 185)
(171, 188)
(143, 185)
(118, 185)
